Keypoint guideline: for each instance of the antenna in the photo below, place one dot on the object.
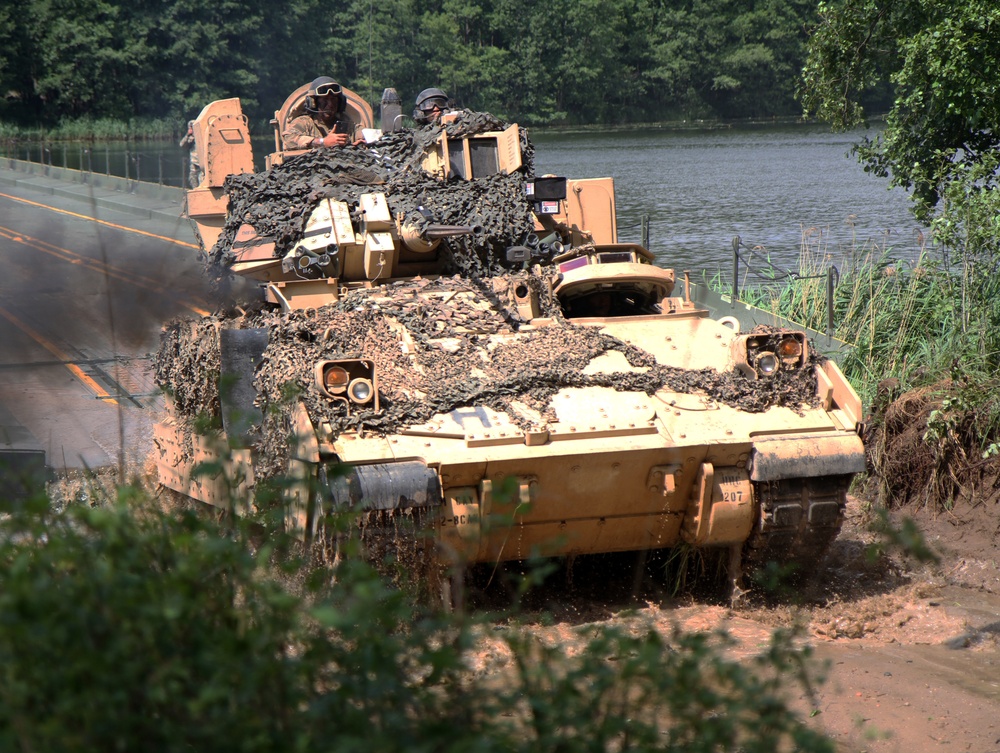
(371, 83)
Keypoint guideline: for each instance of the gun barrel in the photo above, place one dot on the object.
(435, 232)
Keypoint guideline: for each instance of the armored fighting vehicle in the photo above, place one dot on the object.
(441, 337)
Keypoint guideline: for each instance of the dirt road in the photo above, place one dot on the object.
(913, 650)
(909, 651)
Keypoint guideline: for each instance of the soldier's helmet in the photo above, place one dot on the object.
(324, 86)
(427, 101)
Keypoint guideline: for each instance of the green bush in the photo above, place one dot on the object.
(126, 628)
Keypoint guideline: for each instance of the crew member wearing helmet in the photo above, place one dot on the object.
(326, 122)
(430, 106)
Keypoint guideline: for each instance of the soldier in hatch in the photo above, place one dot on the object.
(431, 104)
(326, 122)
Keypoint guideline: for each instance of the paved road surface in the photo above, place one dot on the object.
(88, 274)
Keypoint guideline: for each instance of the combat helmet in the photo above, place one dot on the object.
(324, 86)
(427, 100)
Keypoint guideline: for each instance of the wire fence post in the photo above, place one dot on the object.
(829, 302)
(736, 271)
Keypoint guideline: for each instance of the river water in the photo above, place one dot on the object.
(783, 189)
(789, 191)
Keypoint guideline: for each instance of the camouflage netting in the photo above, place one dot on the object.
(187, 365)
(454, 361)
(463, 345)
(277, 202)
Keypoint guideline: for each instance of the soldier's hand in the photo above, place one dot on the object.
(333, 139)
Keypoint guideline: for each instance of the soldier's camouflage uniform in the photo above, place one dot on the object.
(302, 130)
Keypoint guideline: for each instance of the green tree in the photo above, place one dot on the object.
(290, 48)
(762, 51)
(676, 50)
(89, 64)
(372, 46)
(565, 61)
(18, 61)
(943, 61)
(526, 88)
(208, 49)
(940, 140)
(594, 81)
(455, 41)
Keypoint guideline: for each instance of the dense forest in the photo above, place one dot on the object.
(557, 62)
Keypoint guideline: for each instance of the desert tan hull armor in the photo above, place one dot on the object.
(578, 402)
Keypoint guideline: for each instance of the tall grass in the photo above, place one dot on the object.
(910, 320)
(107, 129)
(926, 330)
(100, 129)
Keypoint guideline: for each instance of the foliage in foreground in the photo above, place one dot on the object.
(125, 628)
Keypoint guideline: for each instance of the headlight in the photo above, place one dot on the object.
(766, 350)
(335, 379)
(352, 381)
(789, 347)
(361, 391)
(766, 363)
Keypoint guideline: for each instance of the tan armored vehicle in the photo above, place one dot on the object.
(476, 353)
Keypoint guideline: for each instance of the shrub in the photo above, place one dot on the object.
(126, 628)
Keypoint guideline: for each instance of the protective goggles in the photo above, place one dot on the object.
(325, 90)
(432, 104)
